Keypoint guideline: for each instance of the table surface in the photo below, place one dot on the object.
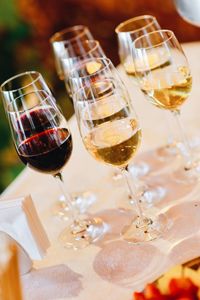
(112, 266)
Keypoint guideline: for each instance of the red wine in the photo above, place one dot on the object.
(47, 151)
(37, 120)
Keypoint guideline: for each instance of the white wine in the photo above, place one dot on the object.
(154, 60)
(167, 88)
(114, 142)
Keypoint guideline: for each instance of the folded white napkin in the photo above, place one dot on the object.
(19, 219)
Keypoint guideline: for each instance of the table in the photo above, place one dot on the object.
(115, 268)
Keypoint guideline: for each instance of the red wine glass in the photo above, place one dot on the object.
(44, 143)
(31, 81)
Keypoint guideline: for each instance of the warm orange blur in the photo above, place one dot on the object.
(101, 16)
(9, 275)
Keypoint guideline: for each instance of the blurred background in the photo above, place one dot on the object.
(25, 29)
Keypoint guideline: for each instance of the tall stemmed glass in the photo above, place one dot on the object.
(111, 134)
(65, 37)
(43, 142)
(31, 81)
(127, 32)
(168, 83)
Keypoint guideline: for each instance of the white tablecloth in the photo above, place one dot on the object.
(113, 268)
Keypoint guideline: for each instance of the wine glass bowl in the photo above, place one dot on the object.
(113, 137)
(42, 138)
(96, 70)
(77, 52)
(67, 36)
(162, 69)
(127, 32)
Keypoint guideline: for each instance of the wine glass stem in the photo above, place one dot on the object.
(187, 153)
(68, 198)
(169, 129)
(132, 190)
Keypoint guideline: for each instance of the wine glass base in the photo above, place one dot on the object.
(149, 229)
(80, 201)
(83, 233)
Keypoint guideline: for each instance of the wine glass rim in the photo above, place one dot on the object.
(118, 31)
(30, 108)
(85, 41)
(171, 33)
(108, 63)
(19, 75)
(58, 34)
(97, 44)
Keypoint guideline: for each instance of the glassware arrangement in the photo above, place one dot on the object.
(107, 122)
(44, 143)
(111, 133)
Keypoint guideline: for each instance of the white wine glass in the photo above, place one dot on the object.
(127, 32)
(111, 134)
(168, 83)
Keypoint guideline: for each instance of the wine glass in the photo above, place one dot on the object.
(127, 32)
(44, 143)
(67, 36)
(167, 83)
(28, 82)
(75, 53)
(111, 134)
